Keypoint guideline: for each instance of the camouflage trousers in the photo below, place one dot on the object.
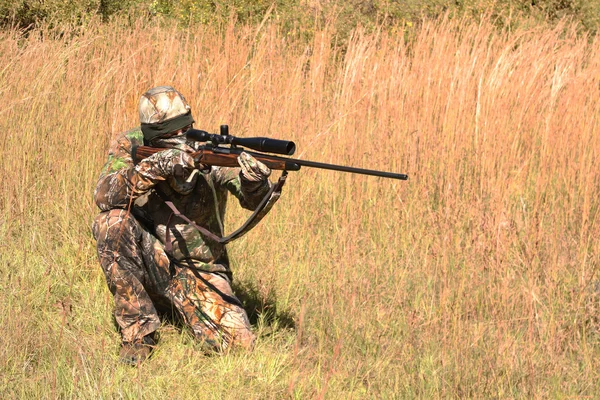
(142, 279)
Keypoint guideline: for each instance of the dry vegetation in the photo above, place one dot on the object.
(476, 278)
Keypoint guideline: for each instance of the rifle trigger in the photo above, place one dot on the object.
(194, 172)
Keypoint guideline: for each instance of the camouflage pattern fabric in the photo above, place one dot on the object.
(194, 278)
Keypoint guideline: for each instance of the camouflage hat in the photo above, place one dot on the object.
(163, 110)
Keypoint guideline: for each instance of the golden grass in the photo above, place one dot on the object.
(475, 278)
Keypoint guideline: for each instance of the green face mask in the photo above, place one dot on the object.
(155, 130)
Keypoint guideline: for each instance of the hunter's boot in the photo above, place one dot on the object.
(135, 353)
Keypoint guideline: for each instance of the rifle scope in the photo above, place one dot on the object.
(262, 144)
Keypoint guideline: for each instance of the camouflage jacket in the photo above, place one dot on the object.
(201, 196)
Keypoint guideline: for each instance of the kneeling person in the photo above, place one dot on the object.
(194, 277)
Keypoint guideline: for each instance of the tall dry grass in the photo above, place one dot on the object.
(476, 278)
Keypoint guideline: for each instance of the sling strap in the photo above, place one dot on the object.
(263, 208)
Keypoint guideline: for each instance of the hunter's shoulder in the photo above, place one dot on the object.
(123, 142)
(135, 136)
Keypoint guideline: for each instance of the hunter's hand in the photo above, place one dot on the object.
(170, 162)
(252, 169)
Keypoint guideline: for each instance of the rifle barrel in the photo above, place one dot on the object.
(334, 167)
(353, 170)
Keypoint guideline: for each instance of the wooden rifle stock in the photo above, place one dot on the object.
(223, 157)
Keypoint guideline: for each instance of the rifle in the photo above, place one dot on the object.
(213, 153)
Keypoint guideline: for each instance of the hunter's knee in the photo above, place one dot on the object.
(115, 226)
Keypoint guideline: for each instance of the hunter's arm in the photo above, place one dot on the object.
(121, 182)
(248, 193)
(117, 179)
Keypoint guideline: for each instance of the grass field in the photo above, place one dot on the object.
(475, 278)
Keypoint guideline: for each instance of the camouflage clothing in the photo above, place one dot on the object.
(194, 278)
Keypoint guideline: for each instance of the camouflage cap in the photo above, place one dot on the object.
(163, 110)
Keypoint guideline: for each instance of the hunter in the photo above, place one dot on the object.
(152, 263)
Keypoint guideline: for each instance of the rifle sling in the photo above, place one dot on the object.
(263, 208)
